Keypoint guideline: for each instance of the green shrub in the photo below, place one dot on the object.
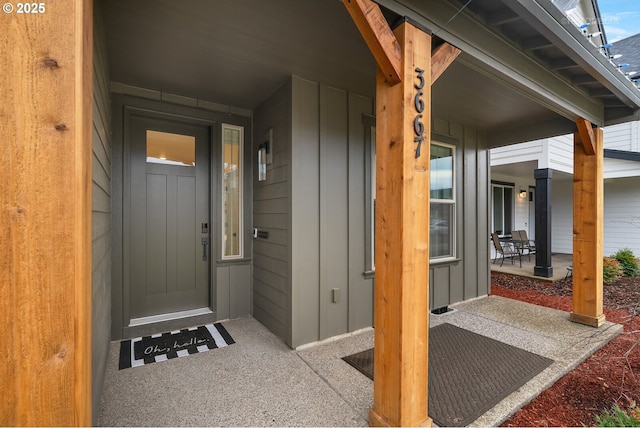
(628, 262)
(617, 417)
(611, 270)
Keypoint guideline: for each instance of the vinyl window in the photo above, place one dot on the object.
(232, 227)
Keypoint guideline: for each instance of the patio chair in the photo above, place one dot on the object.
(527, 244)
(505, 249)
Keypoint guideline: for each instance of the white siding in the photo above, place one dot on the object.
(562, 217)
(618, 168)
(618, 137)
(622, 215)
(523, 152)
(560, 154)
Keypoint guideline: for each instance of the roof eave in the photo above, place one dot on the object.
(552, 24)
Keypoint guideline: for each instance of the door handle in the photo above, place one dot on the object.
(205, 242)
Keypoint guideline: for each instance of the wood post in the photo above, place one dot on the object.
(45, 200)
(403, 130)
(588, 226)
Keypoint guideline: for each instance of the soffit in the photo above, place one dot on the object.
(238, 52)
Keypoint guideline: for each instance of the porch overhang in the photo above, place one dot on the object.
(525, 73)
(530, 48)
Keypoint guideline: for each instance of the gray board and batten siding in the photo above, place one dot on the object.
(468, 276)
(101, 216)
(230, 280)
(314, 205)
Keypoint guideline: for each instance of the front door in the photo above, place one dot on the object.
(170, 219)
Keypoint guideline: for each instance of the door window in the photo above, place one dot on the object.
(171, 149)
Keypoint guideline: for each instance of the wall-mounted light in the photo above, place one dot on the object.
(522, 194)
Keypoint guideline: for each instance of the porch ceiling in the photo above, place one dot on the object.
(237, 52)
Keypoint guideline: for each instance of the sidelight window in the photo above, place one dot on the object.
(232, 142)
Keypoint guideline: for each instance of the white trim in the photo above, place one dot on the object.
(240, 185)
(168, 317)
(372, 201)
(453, 201)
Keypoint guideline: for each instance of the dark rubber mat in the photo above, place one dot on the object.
(468, 373)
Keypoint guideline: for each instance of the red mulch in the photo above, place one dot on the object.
(610, 376)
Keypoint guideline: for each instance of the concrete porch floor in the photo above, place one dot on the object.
(259, 381)
(559, 262)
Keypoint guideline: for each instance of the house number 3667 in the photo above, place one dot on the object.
(418, 126)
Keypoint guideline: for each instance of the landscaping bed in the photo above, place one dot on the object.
(609, 377)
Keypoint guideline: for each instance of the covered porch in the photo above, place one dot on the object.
(259, 381)
(303, 70)
(560, 263)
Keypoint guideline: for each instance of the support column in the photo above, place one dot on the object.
(400, 395)
(544, 184)
(45, 200)
(588, 226)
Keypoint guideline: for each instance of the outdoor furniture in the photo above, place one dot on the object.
(522, 242)
(527, 244)
(505, 248)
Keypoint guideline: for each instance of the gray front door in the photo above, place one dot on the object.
(170, 221)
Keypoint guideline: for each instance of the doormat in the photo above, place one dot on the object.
(175, 344)
(468, 373)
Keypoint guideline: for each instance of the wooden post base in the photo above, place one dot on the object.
(375, 420)
(587, 320)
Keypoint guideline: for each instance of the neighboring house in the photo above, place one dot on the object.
(233, 169)
(514, 186)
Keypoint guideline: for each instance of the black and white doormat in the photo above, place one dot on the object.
(179, 343)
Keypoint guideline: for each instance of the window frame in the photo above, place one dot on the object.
(369, 124)
(370, 187)
(451, 202)
(240, 185)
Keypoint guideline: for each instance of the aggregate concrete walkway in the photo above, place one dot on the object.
(259, 381)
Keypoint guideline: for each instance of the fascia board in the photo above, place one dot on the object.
(489, 53)
(552, 24)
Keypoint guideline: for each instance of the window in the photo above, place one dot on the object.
(171, 149)
(442, 205)
(373, 198)
(503, 207)
(370, 193)
(232, 142)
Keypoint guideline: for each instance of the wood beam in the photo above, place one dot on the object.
(400, 392)
(45, 195)
(441, 59)
(588, 229)
(378, 36)
(587, 136)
